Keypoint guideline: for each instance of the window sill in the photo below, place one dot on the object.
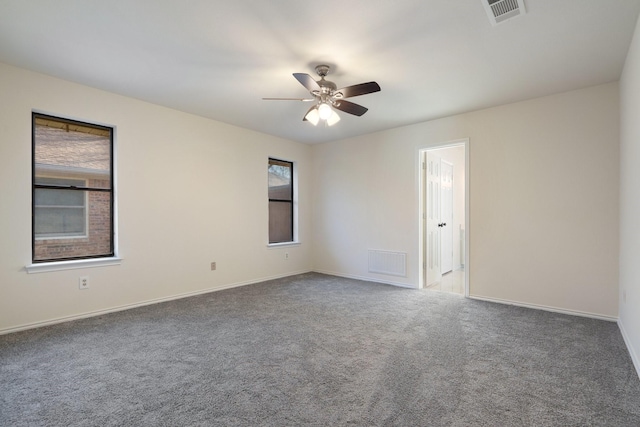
(283, 244)
(70, 265)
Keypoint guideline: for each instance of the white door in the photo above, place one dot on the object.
(432, 209)
(446, 217)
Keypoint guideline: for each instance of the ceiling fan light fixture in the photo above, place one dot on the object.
(324, 111)
(312, 116)
(333, 118)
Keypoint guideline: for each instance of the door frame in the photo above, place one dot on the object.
(421, 178)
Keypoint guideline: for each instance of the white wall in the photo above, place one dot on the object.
(544, 205)
(543, 200)
(630, 199)
(190, 191)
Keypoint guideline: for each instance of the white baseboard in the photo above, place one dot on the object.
(366, 279)
(140, 304)
(632, 352)
(548, 308)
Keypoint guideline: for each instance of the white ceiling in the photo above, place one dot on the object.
(217, 59)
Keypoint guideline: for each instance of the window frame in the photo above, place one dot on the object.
(291, 201)
(86, 189)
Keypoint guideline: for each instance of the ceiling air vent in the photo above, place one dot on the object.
(502, 10)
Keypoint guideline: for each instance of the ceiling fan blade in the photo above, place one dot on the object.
(289, 99)
(307, 81)
(361, 89)
(350, 107)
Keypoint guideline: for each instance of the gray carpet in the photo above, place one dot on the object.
(319, 350)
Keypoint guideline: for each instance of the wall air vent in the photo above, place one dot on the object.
(385, 262)
(502, 10)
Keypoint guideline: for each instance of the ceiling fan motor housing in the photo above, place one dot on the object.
(326, 86)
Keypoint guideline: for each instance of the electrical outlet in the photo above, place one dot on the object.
(83, 282)
(286, 255)
(213, 266)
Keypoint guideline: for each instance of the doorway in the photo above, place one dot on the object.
(444, 225)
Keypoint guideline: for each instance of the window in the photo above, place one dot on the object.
(72, 209)
(280, 201)
(60, 213)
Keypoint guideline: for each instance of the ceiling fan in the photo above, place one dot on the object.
(328, 97)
